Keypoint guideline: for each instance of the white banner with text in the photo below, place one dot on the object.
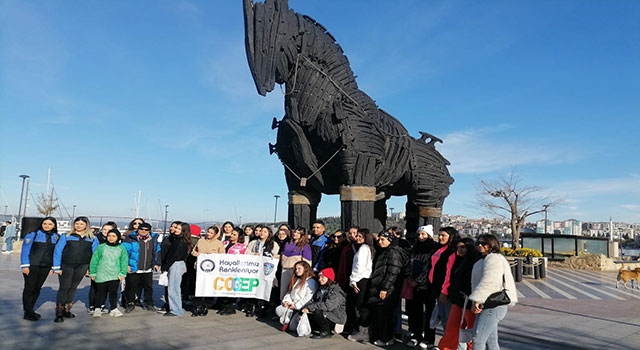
(235, 275)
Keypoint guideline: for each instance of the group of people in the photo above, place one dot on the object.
(352, 281)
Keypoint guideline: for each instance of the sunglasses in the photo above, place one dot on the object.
(481, 243)
(338, 237)
(137, 223)
(143, 229)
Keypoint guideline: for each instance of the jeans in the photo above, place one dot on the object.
(9, 242)
(485, 335)
(32, 285)
(175, 278)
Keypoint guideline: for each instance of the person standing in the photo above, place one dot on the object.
(174, 263)
(71, 258)
(143, 250)
(359, 282)
(318, 244)
(107, 268)
(420, 302)
(389, 270)
(490, 274)
(36, 260)
(459, 289)
(264, 245)
(9, 236)
(102, 238)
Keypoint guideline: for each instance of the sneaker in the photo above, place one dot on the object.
(383, 343)
(90, 310)
(129, 308)
(412, 343)
(97, 313)
(423, 345)
(115, 313)
(398, 338)
(104, 310)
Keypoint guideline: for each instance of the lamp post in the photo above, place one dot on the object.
(73, 212)
(19, 224)
(545, 206)
(166, 211)
(275, 212)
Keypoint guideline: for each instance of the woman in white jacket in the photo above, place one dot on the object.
(486, 279)
(299, 293)
(359, 283)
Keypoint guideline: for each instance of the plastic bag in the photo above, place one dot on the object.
(304, 327)
(163, 280)
(435, 317)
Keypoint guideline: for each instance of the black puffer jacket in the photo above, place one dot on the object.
(390, 268)
(460, 281)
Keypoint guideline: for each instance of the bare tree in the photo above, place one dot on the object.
(47, 204)
(511, 200)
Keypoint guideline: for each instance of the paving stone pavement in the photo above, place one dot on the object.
(537, 322)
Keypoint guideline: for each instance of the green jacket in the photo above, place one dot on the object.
(108, 263)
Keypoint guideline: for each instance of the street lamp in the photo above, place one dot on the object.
(544, 207)
(24, 178)
(275, 212)
(166, 211)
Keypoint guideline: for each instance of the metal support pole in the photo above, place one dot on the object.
(166, 211)
(275, 212)
(19, 224)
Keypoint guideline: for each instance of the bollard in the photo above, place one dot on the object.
(536, 270)
(543, 269)
(518, 275)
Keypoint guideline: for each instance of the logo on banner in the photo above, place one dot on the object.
(207, 265)
(268, 268)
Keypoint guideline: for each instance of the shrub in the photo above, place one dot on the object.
(521, 252)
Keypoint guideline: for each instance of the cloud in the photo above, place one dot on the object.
(477, 151)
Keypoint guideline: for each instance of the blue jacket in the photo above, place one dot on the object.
(35, 249)
(132, 244)
(318, 249)
(75, 250)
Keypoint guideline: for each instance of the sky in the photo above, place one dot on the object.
(135, 105)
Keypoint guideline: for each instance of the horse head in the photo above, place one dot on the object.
(269, 42)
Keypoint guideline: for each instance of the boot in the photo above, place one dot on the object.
(59, 313)
(251, 310)
(67, 310)
(361, 336)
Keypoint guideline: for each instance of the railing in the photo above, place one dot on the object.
(528, 266)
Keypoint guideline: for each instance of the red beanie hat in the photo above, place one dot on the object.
(195, 230)
(328, 273)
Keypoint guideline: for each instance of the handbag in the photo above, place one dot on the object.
(434, 321)
(497, 298)
(163, 280)
(407, 290)
(465, 335)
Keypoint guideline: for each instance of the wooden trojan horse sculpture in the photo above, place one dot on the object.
(333, 138)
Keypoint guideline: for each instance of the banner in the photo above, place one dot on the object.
(235, 275)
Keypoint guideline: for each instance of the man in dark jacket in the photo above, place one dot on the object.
(143, 248)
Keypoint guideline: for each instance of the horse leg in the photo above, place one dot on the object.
(418, 215)
(303, 208)
(379, 215)
(357, 206)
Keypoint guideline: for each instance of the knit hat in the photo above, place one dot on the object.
(328, 273)
(145, 225)
(427, 228)
(389, 236)
(195, 230)
(115, 230)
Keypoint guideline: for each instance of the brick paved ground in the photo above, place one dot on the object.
(556, 320)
